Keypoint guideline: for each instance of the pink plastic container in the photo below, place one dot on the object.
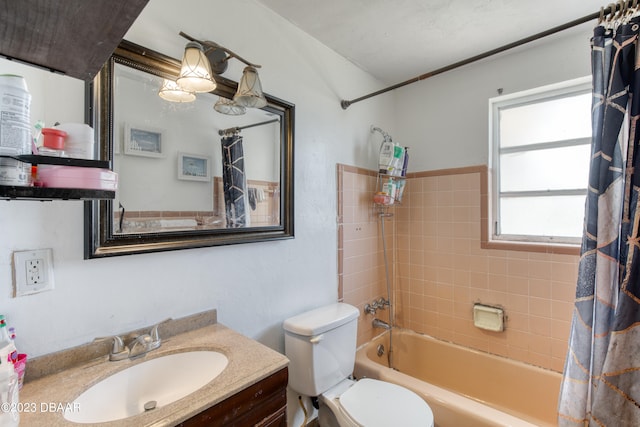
(77, 177)
(54, 138)
(20, 365)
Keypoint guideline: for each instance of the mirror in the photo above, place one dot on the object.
(178, 187)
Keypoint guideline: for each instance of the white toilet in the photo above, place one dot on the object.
(321, 347)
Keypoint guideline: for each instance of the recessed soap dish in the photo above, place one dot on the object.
(489, 318)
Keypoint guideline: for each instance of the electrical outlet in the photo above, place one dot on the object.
(33, 271)
(36, 273)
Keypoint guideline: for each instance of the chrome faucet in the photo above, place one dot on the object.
(118, 350)
(139, 346)
(376, 305)
(377, 323)
(143, 344)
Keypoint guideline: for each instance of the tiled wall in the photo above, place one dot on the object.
(264, 212)
(361, 274)
(441, 270)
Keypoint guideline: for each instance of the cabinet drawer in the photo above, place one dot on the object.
(262, 404)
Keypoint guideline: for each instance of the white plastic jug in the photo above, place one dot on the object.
(15, 129)
(79, 141)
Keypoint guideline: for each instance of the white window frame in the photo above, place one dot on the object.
(545, 93)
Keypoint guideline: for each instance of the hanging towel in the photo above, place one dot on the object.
(234, 182)
(252, 198)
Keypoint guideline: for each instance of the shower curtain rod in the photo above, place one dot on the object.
(602, 12)
(221, 132)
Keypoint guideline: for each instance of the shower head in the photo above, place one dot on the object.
(385, 135)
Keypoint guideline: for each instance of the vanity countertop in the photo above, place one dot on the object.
(42, 400)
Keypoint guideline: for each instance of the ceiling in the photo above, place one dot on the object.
(395, 40)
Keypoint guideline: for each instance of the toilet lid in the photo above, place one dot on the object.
(374, 403)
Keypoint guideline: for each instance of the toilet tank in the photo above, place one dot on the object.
(321, 347)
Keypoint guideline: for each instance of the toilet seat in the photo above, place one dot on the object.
(374, 403)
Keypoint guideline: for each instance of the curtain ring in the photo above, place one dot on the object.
(629, 12)
(622, 9)
(616, 11)
(612, 11)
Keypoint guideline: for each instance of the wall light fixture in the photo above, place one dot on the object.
(201, 60)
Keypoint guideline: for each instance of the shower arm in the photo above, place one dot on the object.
(385, 135)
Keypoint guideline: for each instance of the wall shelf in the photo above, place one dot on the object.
(36, 159)
(15, 192)
(10, 192)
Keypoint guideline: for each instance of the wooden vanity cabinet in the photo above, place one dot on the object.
(262, 404)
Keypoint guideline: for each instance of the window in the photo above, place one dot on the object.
(540, 143)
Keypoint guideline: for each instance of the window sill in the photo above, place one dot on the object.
(565, 249)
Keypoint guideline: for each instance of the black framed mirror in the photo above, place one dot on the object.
(175, 190)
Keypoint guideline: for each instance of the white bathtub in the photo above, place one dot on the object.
(464, 387)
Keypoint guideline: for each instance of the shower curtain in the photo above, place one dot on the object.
(234, 182)
(601, 384)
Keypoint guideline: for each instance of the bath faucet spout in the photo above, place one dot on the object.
(140, 346)
(377, 323)
(144, 343)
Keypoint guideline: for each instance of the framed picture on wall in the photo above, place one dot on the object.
(143, 141)
(194, 167)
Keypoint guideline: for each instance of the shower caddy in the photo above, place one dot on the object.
(382, 200)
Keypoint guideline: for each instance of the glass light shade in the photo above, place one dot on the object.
(249, 92)
(229, 107)
(195, 73)
(170, 91)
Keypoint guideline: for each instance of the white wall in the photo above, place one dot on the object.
(253, 286)
(445, 119)
(256, 286)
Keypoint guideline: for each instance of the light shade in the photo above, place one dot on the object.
(249, 92)
(170, 91)
(195, 74)
(229, 107)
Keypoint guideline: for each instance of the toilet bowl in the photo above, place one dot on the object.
(372, 403)
(321, 347)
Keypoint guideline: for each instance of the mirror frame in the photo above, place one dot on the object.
(100, 241)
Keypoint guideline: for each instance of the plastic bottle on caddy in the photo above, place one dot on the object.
(9, 398)
(402, 182)
(398, 160)
(386, 158)
(405, 161)
(389, 189)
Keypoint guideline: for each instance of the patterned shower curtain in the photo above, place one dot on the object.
(234, 182)
(601, 384)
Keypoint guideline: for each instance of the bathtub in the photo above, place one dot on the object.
(464, 387)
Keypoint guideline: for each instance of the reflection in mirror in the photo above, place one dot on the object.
(165, 148)
(188, 175)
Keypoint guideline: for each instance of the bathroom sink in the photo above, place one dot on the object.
(146, 386)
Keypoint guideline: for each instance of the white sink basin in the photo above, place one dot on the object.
(153, 383)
